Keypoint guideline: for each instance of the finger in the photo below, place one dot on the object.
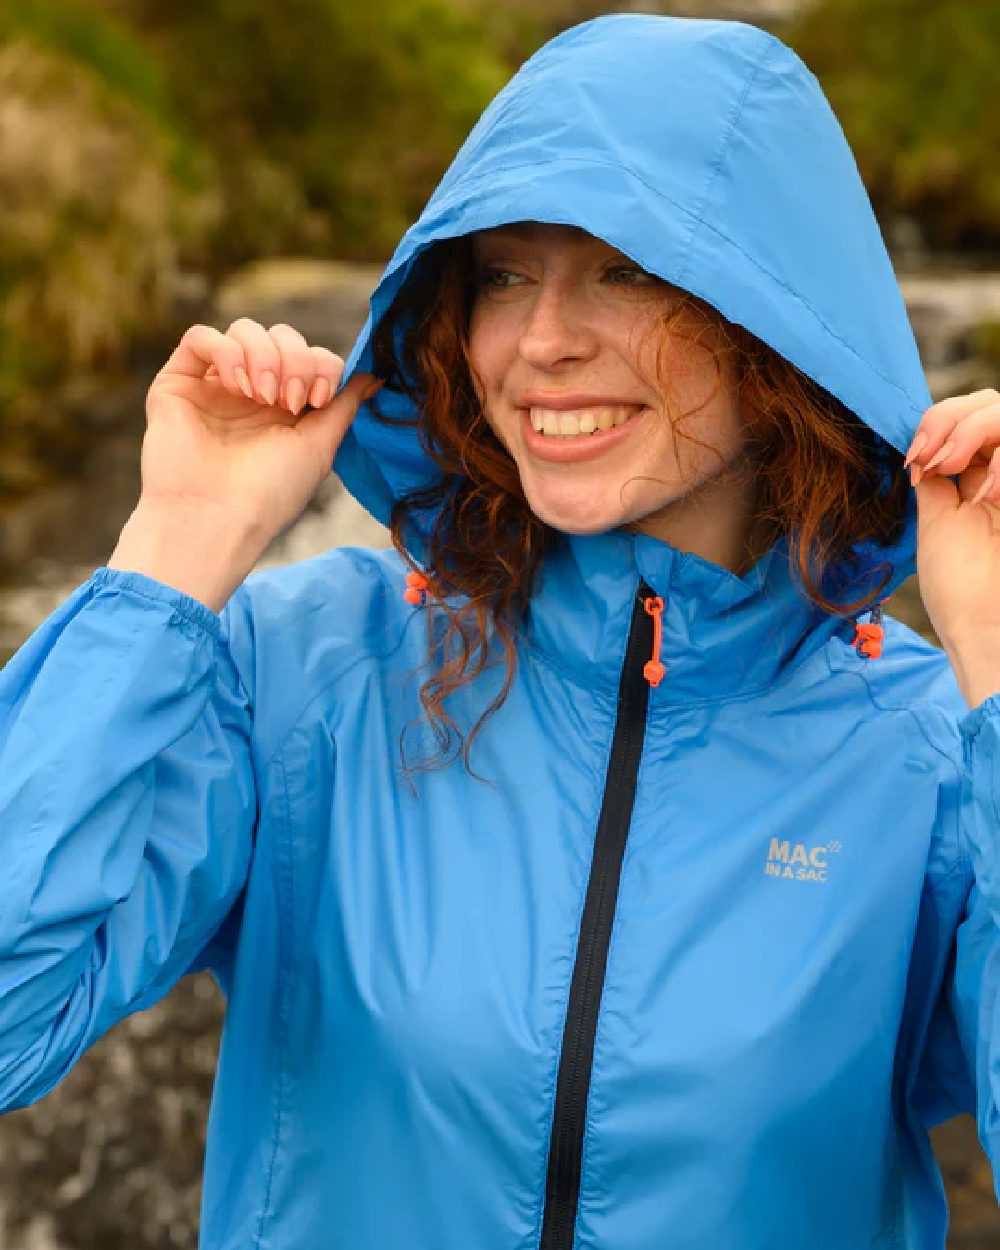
(976, 434)
(261, 357)
(329, 371)
(939, 422)
(201, 348)
(239, 373)
(298, 367)
(989, 489)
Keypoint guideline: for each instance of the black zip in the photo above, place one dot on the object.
(562, 1185)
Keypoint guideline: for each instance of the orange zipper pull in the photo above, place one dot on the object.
(653, 670)
(868, 638)
(416, 586)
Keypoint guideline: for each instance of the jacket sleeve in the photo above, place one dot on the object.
(961, 1067)
(127, 809)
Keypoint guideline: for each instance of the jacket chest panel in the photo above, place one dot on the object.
(755, 981)
(434, 940)
(793, 892)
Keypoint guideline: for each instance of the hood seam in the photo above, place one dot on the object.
(718, 164)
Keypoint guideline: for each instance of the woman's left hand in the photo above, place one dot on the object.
(958, 535)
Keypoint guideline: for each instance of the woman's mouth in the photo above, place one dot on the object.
(569, 435)
(570, 423)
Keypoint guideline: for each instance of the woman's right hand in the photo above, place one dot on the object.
(222, 430)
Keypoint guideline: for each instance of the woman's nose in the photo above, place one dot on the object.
(556, 328)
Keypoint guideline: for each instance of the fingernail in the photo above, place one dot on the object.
(267, 385)
(243, 382)
(295, 394)
(985, 489)
(940, 455)
(320, 393)
(919, 441)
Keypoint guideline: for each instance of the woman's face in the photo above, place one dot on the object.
(563, 336)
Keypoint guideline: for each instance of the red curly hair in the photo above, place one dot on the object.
(825, 479)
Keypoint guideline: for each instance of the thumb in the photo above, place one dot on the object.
(325, 427)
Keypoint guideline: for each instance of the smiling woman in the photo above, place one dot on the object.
(562, 388)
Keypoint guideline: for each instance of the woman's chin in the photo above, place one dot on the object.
(580, 518)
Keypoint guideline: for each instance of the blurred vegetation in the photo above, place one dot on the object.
(140, 141)
(986, 342)
(913, 84)
(143, 142)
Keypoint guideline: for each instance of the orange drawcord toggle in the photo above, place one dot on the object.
(416, 585)
(868, 639)
(653, 669)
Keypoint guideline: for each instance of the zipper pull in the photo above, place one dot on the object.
(867, 640)
(653, 669)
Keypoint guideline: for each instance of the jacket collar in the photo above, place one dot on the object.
(724, 636)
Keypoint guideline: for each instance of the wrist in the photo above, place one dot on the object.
(976, 664)
(198, 549)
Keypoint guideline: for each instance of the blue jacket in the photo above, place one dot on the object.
(705, 962)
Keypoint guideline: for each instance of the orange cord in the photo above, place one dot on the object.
(653, 670)
(870, 639)
(416, 585)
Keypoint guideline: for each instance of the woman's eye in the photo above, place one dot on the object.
(631, 275)
(493, 275)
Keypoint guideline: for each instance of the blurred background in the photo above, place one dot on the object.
(162, 164)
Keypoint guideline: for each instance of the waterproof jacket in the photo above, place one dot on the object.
(707, 958)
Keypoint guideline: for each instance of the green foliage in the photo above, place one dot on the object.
(93, 220)
(155, 137)
(913, 84)
(331, 120)
(93, 38)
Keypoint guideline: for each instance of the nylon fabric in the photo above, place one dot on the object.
(803, 968)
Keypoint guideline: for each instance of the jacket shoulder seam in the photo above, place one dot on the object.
(962, 861)
(352, 662)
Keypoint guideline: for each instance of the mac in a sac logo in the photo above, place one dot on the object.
(795, 861)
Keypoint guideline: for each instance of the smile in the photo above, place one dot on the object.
(589, 432)
(577, 422)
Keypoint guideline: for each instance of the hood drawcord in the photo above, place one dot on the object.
(867, 640)
(416, 588)
(653, 669)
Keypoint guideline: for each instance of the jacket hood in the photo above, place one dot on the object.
(706, 151)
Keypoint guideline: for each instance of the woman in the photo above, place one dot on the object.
(695, 937)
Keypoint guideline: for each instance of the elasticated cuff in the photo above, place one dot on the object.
(187, 606)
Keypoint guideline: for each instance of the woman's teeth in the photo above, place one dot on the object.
(569, 424)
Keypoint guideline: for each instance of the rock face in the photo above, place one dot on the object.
(112, 1158)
